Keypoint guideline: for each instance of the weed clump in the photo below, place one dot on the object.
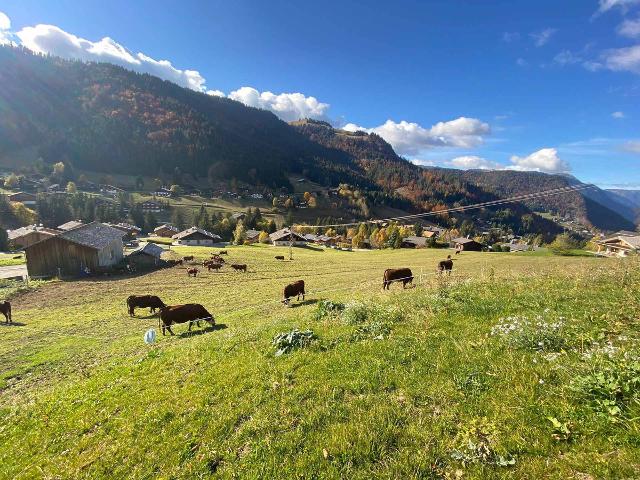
(286, 342)
(612, 383)
(327, 309)
(538, 334)
(476, 445)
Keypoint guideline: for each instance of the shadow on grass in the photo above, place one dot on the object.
(202, 331)
(12, 324)
(304, 302)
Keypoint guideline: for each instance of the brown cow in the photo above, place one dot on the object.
(192, 271)
(143, 301)
(190, 312)
(5, 309)
(217, 259)
(294, 289)
(214, 266)
(239, 267)
(223, 252)
(173, 263)
(445, 265)
(403, 275)
(279, 257)
(188, 258)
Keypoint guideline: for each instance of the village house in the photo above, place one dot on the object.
(25, 236)
(466, 244)
(146, 256)
(252, 236)
(238, 216)
(414, 242)
(620, 244)
(165, 230)
(285, 237)
(196, 236)
(151, 206)
(86, 249)
(27, 199)
(70, 225)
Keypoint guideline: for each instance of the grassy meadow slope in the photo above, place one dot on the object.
(401, 384)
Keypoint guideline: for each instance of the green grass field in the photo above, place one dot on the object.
(517, 366)
(10, 259)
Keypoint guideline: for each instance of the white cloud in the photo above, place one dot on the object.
(629, 28)
(287, 106)
(632, 147)
(566, 57)
(510, 37)
(544, 160)
(617, 114)
(216, 93)
(467, 162)
(5, 25)
(623, 59)
(408, 138)
(606, 5)
(542, 37)
(55, 41)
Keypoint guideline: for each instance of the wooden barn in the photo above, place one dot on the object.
(165, 230)
(196, 236)
(85, 249)
(25, 236)
(146, 256)
(621, 244)
(467, 245)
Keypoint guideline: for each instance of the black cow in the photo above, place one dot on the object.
(143, 301)
(190, 312)
(446, 265)
(295, 289)
(5, 309)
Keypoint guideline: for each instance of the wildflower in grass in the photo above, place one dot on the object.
(538, 334)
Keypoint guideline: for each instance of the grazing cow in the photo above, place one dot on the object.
(446, 265)
(279, 257)
(214, 266)
(223, 252)
(5, 309)
(239, 267)
(403, 275)
(192, 271)
(188, 258)
(173, 263)
(190, 312)
(294, 289)
(457, 252)
(143, 301)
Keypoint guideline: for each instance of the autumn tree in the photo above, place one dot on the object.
(71, 187)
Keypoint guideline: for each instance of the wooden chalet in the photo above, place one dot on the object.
(467, 244)
(28, 199)
(196, 236)
(252, 236)
(165, 230)
(85, 249)
(414, 242)
(285, 237)
(621, 244)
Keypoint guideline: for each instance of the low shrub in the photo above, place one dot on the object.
(285, 342)
(327, 308)
(373, 330)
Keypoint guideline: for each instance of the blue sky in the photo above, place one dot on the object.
(546, 85)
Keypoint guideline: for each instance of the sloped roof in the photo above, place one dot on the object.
(148, 249)
(284, 232)
(70, 225)
(166, 226)
(127, 227)
(252, 233)
(19, 232)
(93, 235)
(417, 241)
(192, 230)
(464, 240)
